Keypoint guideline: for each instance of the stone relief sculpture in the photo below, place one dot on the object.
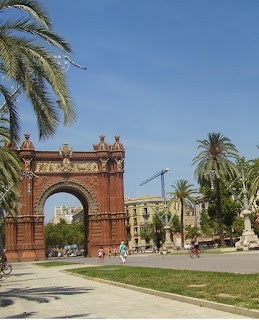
(27, 164)
(66, 166)
(104, 163)
(119, 163)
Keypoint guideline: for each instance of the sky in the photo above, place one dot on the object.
(161, 75)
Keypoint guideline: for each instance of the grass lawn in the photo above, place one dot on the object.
(54, 264)
(241, 290)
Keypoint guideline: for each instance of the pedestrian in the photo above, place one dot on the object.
(100, 254)
(114, 252)
(122, 252)
(109, 252)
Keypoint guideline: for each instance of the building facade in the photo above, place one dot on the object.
(140, 212)
(66, 213)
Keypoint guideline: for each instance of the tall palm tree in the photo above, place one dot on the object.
(253, 174)
(183, 192)
(10, 168)
(27, 61)
(214, 159)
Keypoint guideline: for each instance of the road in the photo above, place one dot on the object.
(236, 262)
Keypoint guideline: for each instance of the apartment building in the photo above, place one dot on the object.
(66, 213)
(140, 212)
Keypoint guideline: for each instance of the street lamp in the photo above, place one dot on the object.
(248, 239)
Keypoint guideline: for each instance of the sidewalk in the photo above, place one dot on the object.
(37, 292)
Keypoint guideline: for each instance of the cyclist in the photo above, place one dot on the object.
(195, 245)
(3, 261)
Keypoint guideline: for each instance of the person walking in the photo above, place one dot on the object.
(100, 254)
(122, 252)
(195, 245)
(114, 252)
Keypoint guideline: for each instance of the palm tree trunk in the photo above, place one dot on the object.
(1, 229)
(219, 214)
(182, 235)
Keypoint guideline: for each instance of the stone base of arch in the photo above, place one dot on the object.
(26, 236)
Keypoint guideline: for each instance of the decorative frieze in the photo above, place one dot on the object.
(66, 166)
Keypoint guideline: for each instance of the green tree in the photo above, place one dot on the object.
(192, 231)
(158, 227)
(183, 192)
(147, 233)
(253, 175)
(206, 225)
(238, 226)
(214, 158)
(62, 234)
(230, 210)
(175, 224)
(27, 61)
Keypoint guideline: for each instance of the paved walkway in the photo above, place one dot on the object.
(32, 291)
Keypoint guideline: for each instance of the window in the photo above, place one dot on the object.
(144, 211)
(134, 212)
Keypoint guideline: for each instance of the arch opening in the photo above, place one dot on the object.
(80, 195)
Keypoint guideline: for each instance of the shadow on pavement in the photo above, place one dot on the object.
(40, 295)
(82, 315)
(21, 315)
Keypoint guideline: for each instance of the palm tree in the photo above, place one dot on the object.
(214, 159)
(182, 192)
(10, 168)
(253, 174)
(27, 62)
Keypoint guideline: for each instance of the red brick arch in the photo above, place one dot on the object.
(94, 177)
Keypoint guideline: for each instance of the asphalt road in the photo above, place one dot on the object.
(235, 262)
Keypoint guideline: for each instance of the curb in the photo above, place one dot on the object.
(199, 302)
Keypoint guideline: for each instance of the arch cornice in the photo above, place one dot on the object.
(69, 186)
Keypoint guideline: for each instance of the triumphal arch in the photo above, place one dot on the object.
(95, 178)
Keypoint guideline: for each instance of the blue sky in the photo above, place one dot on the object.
(161, 74)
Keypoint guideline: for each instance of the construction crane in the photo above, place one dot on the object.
(161, 173)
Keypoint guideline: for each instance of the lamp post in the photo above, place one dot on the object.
(249, 239)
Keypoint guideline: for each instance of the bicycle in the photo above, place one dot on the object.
(6, 268)
(194, 252)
